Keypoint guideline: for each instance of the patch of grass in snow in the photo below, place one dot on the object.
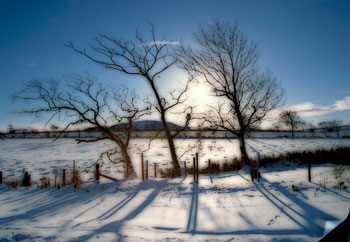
(342, 175)
(339, 155)
(321, 156)
(214, 167)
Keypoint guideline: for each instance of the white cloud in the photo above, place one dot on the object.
(309, 109)
(164, 42)
(343, 104)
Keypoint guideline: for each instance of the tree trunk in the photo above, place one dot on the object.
(130, 168)
(176, 169)
(244, 155)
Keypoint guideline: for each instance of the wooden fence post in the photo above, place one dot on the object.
(209, 165)
(142, 168)
(0, 177)
(97, 173)
(26, 179)
(64, 177)
(155, 169)
(197, 167)
(146, 169)
(309, 170)
(75, 174)
(258, 171)
(194, 169)
(73, 180)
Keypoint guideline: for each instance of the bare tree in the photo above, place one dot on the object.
(149, 60)
(11, 129)
(227, 61)
(291, 119)
(312, 129)
(337, 126)
(331, 126)
(83, 101)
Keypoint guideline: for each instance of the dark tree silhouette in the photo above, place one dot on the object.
(291, 119)
(147, 59)
(82, 101)
(228, 62)
(331, 126)
(312, 129)
(11, 129)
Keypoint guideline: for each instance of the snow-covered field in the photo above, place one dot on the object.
(44, 156)
(222, 207)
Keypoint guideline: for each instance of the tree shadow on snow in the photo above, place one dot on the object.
(116, 226)
(192, 216)
(112, 210)
(52, 203)
(309, 218)
(334, 192)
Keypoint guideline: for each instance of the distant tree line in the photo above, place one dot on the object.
(292, 120)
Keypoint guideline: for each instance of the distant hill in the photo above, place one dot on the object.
(147, 125)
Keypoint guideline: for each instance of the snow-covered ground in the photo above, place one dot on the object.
(222, 207)
(225, 207)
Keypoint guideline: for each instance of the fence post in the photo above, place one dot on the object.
(309, 170)
(251, 170)
(64, 177)
(197, 167)
(194, 169)
(155, 169)
(26, 180)
(97, 173)
(146, 169)
(0, 177)
(258, 171)
(142, 168)
(74, 173)
(209, 165)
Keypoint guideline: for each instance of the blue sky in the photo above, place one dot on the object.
(305, 43)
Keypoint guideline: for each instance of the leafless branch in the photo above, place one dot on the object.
(147, 58)
(83, 101)
(228, 62)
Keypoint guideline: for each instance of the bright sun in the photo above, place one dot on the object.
(200, 94)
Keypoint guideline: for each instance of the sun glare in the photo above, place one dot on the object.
(200, 95)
